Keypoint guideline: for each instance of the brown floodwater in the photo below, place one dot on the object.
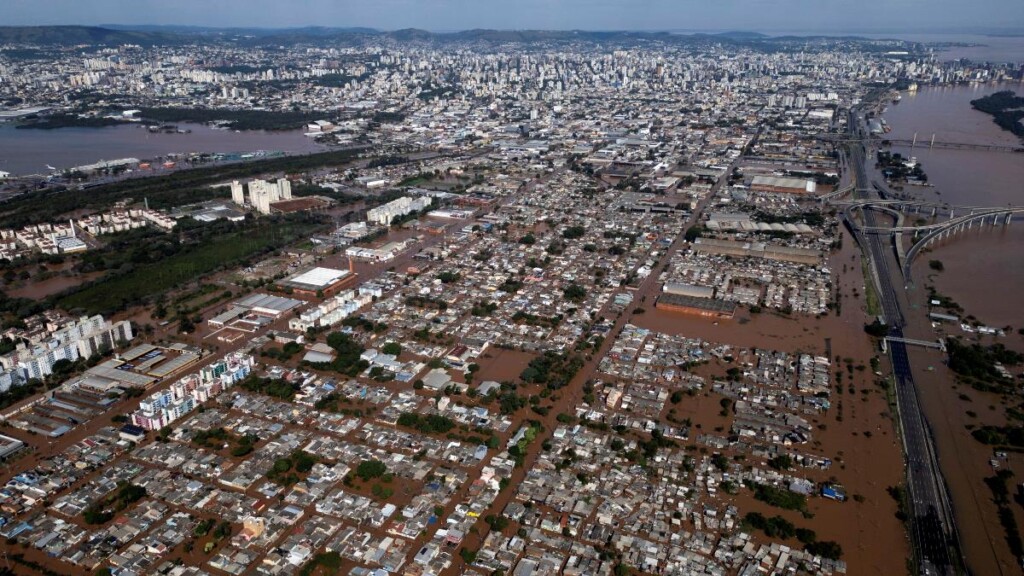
(983, 272)
(53, 285)
(983, 267)
(857, 434)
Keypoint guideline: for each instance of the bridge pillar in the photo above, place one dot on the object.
(1009, 218)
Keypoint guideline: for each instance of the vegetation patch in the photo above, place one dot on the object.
(106, 508)
(114, 293)
(426, 423)
(290, 469)
(1006, 109)
(1001, 496)
(780, 497)
(553, 369)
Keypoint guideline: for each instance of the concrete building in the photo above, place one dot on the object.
(81, 339)
(263, 193)
(237, 193)
(161, 408)
(385, 214)
(783, 185)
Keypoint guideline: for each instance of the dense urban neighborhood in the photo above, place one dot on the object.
(583, 304)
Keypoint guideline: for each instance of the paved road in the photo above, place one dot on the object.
(933, 531)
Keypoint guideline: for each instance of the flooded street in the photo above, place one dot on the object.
(37, 290)
(857, 434)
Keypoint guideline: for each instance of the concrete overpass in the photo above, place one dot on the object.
(933, 232)
(1002, 216)
(996, 215)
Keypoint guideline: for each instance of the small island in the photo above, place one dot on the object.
(1006, 109)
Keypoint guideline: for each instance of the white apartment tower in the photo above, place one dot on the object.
(262, 193)
(237, 193)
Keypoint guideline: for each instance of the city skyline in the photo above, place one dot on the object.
(778, 16)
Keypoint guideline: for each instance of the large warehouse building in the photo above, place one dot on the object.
(783, 185)
(323, 280)
(708, 307)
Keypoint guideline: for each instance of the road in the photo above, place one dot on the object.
(571, 396)
(933, 531)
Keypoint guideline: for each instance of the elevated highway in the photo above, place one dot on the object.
(1003, 216)
(932, 528)
(932, 232)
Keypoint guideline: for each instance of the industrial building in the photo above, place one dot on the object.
(318, 280)
(708, 307)
(385, 214)
(681, 289)
(9, 446)
(758, 250)
(783, 185)
(382, 254)
(255, 310)
(742, 223)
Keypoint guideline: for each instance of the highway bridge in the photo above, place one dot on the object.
(1003, 216)
(844, 139)
(938, 345)
(995, 215)
(931, 232)
(933, 534)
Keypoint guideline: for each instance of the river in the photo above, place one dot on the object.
(29, 151)
(985, 49)
(963, 177)
(968, 178)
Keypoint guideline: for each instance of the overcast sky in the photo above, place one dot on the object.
(446, 15)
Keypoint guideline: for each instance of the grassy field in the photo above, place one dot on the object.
(116, 293)
(870, 294)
